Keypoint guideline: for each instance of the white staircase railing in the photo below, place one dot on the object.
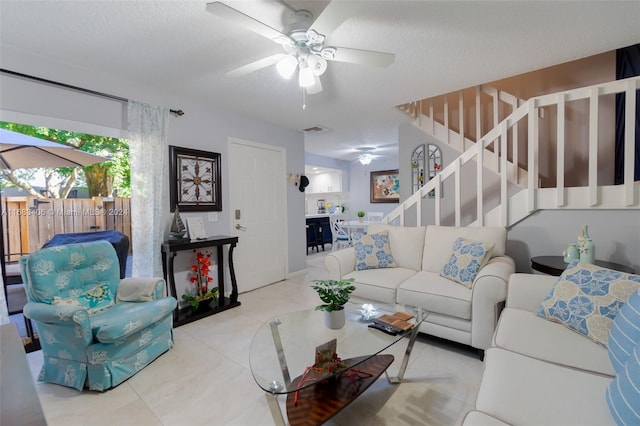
(503, 144)
(437, 117)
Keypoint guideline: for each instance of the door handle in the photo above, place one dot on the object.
(240, 227)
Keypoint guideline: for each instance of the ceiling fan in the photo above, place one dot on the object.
(365, 153)
(303, 42)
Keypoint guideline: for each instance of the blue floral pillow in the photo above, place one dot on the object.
(586, 299)
(373, 251)
(466, 260)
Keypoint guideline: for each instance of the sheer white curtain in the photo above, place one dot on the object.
(148, 150)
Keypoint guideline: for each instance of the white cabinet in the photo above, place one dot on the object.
(325, 182)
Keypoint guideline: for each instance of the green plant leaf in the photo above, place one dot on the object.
(334, 294)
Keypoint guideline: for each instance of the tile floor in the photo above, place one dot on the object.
(205, 379)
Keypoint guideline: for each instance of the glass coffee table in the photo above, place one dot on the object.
(284, 349)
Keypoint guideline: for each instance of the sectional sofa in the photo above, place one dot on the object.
(462, 312)
(542, 372)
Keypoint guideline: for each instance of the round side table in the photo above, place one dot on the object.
(554, 265)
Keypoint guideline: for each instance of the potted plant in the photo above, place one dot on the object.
(361, 215)
(334, 294)
(200, 296)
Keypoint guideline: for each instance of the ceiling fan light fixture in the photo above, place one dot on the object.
(287, 66)
(317, 64)
(305, 78)
(365, 159)
(314, 37)
(316, 87)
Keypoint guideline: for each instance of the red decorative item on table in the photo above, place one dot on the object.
(200, 279)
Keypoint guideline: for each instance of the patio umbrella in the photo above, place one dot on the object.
(19, 151)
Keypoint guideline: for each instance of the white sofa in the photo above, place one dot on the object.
(453, 311)
(538, 372)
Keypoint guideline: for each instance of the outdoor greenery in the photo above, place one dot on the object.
(106, 179)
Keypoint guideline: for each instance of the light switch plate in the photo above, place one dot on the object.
(213, 216)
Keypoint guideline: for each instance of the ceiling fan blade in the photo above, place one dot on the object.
(364, 57)
(334, 15)
(255, 66)
(232, 15)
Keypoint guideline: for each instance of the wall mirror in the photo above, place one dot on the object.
(426, 162)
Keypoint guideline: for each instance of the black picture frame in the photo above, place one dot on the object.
(194, 179)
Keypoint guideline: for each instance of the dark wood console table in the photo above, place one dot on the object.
(554, 265)
(172, 247)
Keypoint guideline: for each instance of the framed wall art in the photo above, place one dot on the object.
(385, 187)
(194, 180)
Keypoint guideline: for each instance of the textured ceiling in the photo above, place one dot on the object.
(440, 46)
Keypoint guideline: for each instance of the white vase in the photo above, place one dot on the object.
(334, 319)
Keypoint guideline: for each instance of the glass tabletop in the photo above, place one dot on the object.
(298, 334)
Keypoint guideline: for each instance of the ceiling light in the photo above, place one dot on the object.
(316, 87)
(306, 76)
(317, 64)
(365, 159)
(287, 66)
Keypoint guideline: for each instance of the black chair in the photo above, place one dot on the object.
(118, 240)
(312, 237)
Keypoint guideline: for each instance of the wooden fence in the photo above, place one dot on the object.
(29, 222)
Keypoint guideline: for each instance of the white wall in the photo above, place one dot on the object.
(616, 234)
(202, 127)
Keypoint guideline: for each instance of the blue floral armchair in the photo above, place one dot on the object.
(96, 330)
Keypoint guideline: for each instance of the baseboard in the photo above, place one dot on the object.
(296, 274)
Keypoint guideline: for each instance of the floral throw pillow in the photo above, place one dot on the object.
(586, 299)
(466, 260)
(373, 251)
(93, 300)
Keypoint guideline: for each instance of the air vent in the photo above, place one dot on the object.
(314, 129)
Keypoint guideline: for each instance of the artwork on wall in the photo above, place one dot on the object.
(385, 187)
(194, 179)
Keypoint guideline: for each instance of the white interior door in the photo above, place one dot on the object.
(258, 213)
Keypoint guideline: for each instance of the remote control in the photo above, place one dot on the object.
(383, 328)
(387, 325)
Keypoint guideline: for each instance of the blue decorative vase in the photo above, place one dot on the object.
(587, 251)
(586, 246)
(571, 253)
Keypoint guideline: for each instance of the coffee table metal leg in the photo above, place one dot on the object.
(277, 342)
(274, 407)
(407, 353)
